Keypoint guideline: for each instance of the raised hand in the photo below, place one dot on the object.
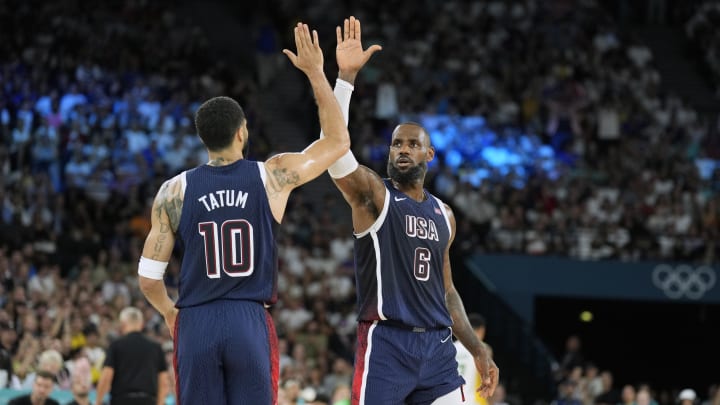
(349, 52)
(309, 56)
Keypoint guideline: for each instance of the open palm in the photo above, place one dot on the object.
(349, 52)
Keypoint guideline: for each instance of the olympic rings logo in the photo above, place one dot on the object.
(684, 281)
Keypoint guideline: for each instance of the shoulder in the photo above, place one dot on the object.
(442, 203)
(173, 187)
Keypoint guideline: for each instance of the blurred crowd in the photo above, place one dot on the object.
(582, 382)
(702, 32)
(96, 109)
(639, 178)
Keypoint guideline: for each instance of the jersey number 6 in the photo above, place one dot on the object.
(235, 247)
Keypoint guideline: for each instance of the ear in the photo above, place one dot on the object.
(430, 154)
(241, 133)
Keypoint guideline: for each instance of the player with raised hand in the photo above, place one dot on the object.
(408, 304)
(226, 214)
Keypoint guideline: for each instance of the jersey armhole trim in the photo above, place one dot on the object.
(263, 173)
(445, 214)
(183, 182)
(380, 219)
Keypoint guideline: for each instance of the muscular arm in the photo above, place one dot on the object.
(104, 384)
(461, 325)
(287, 171)
(159, 243)
(364, 191)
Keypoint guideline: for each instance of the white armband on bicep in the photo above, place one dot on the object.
(343, 92)
(152, 269)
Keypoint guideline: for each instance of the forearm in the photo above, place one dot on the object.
(156, 294)
(102, 389)
(163, 387)
(461, 325)
(343, 93)
(332, 123)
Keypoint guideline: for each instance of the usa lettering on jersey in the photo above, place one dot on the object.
(224, 198)
(421, 228)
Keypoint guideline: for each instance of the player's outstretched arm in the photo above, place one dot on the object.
(362, 188)
(290, 170)
(349, 52)
(159, 246)
(489, 372)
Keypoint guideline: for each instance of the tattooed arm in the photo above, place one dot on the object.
(462, 329)
(159, 245)
(287, 171)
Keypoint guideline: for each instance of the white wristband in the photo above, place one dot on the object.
(152, 269)
(342, 83)
(343, 166)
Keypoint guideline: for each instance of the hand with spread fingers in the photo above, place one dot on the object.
(309, 57)
(349, 52)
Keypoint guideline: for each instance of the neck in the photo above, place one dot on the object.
(414, 190)
(223, 158)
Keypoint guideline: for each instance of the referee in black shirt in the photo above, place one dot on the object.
(135, 370)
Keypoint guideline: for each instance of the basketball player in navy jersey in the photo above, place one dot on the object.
(408, 305)
(225, 214)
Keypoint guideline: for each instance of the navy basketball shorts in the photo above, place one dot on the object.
(395, 366)
(226, 353)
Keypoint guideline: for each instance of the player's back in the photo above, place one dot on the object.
(399, 262)
(228, 235)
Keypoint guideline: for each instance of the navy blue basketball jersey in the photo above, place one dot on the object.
(399, 262)
(228, 234)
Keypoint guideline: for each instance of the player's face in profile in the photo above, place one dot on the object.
(409, 153)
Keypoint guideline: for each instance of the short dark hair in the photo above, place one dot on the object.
(217, 120)
(476, 320)
(45, 374)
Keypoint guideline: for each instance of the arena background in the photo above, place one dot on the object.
(578, 144)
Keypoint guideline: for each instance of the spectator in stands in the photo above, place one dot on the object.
(50, 361)
(43, 384)
(135, 371)
(8, 338)
(81, 383)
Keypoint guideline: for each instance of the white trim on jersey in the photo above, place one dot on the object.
(378, 274)
(363, 385)
(445, 214)
(380, 219)
(263, 173)
(183, 181)
(372, 231)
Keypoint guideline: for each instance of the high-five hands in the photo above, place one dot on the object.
(349, 52)
(309, 56)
